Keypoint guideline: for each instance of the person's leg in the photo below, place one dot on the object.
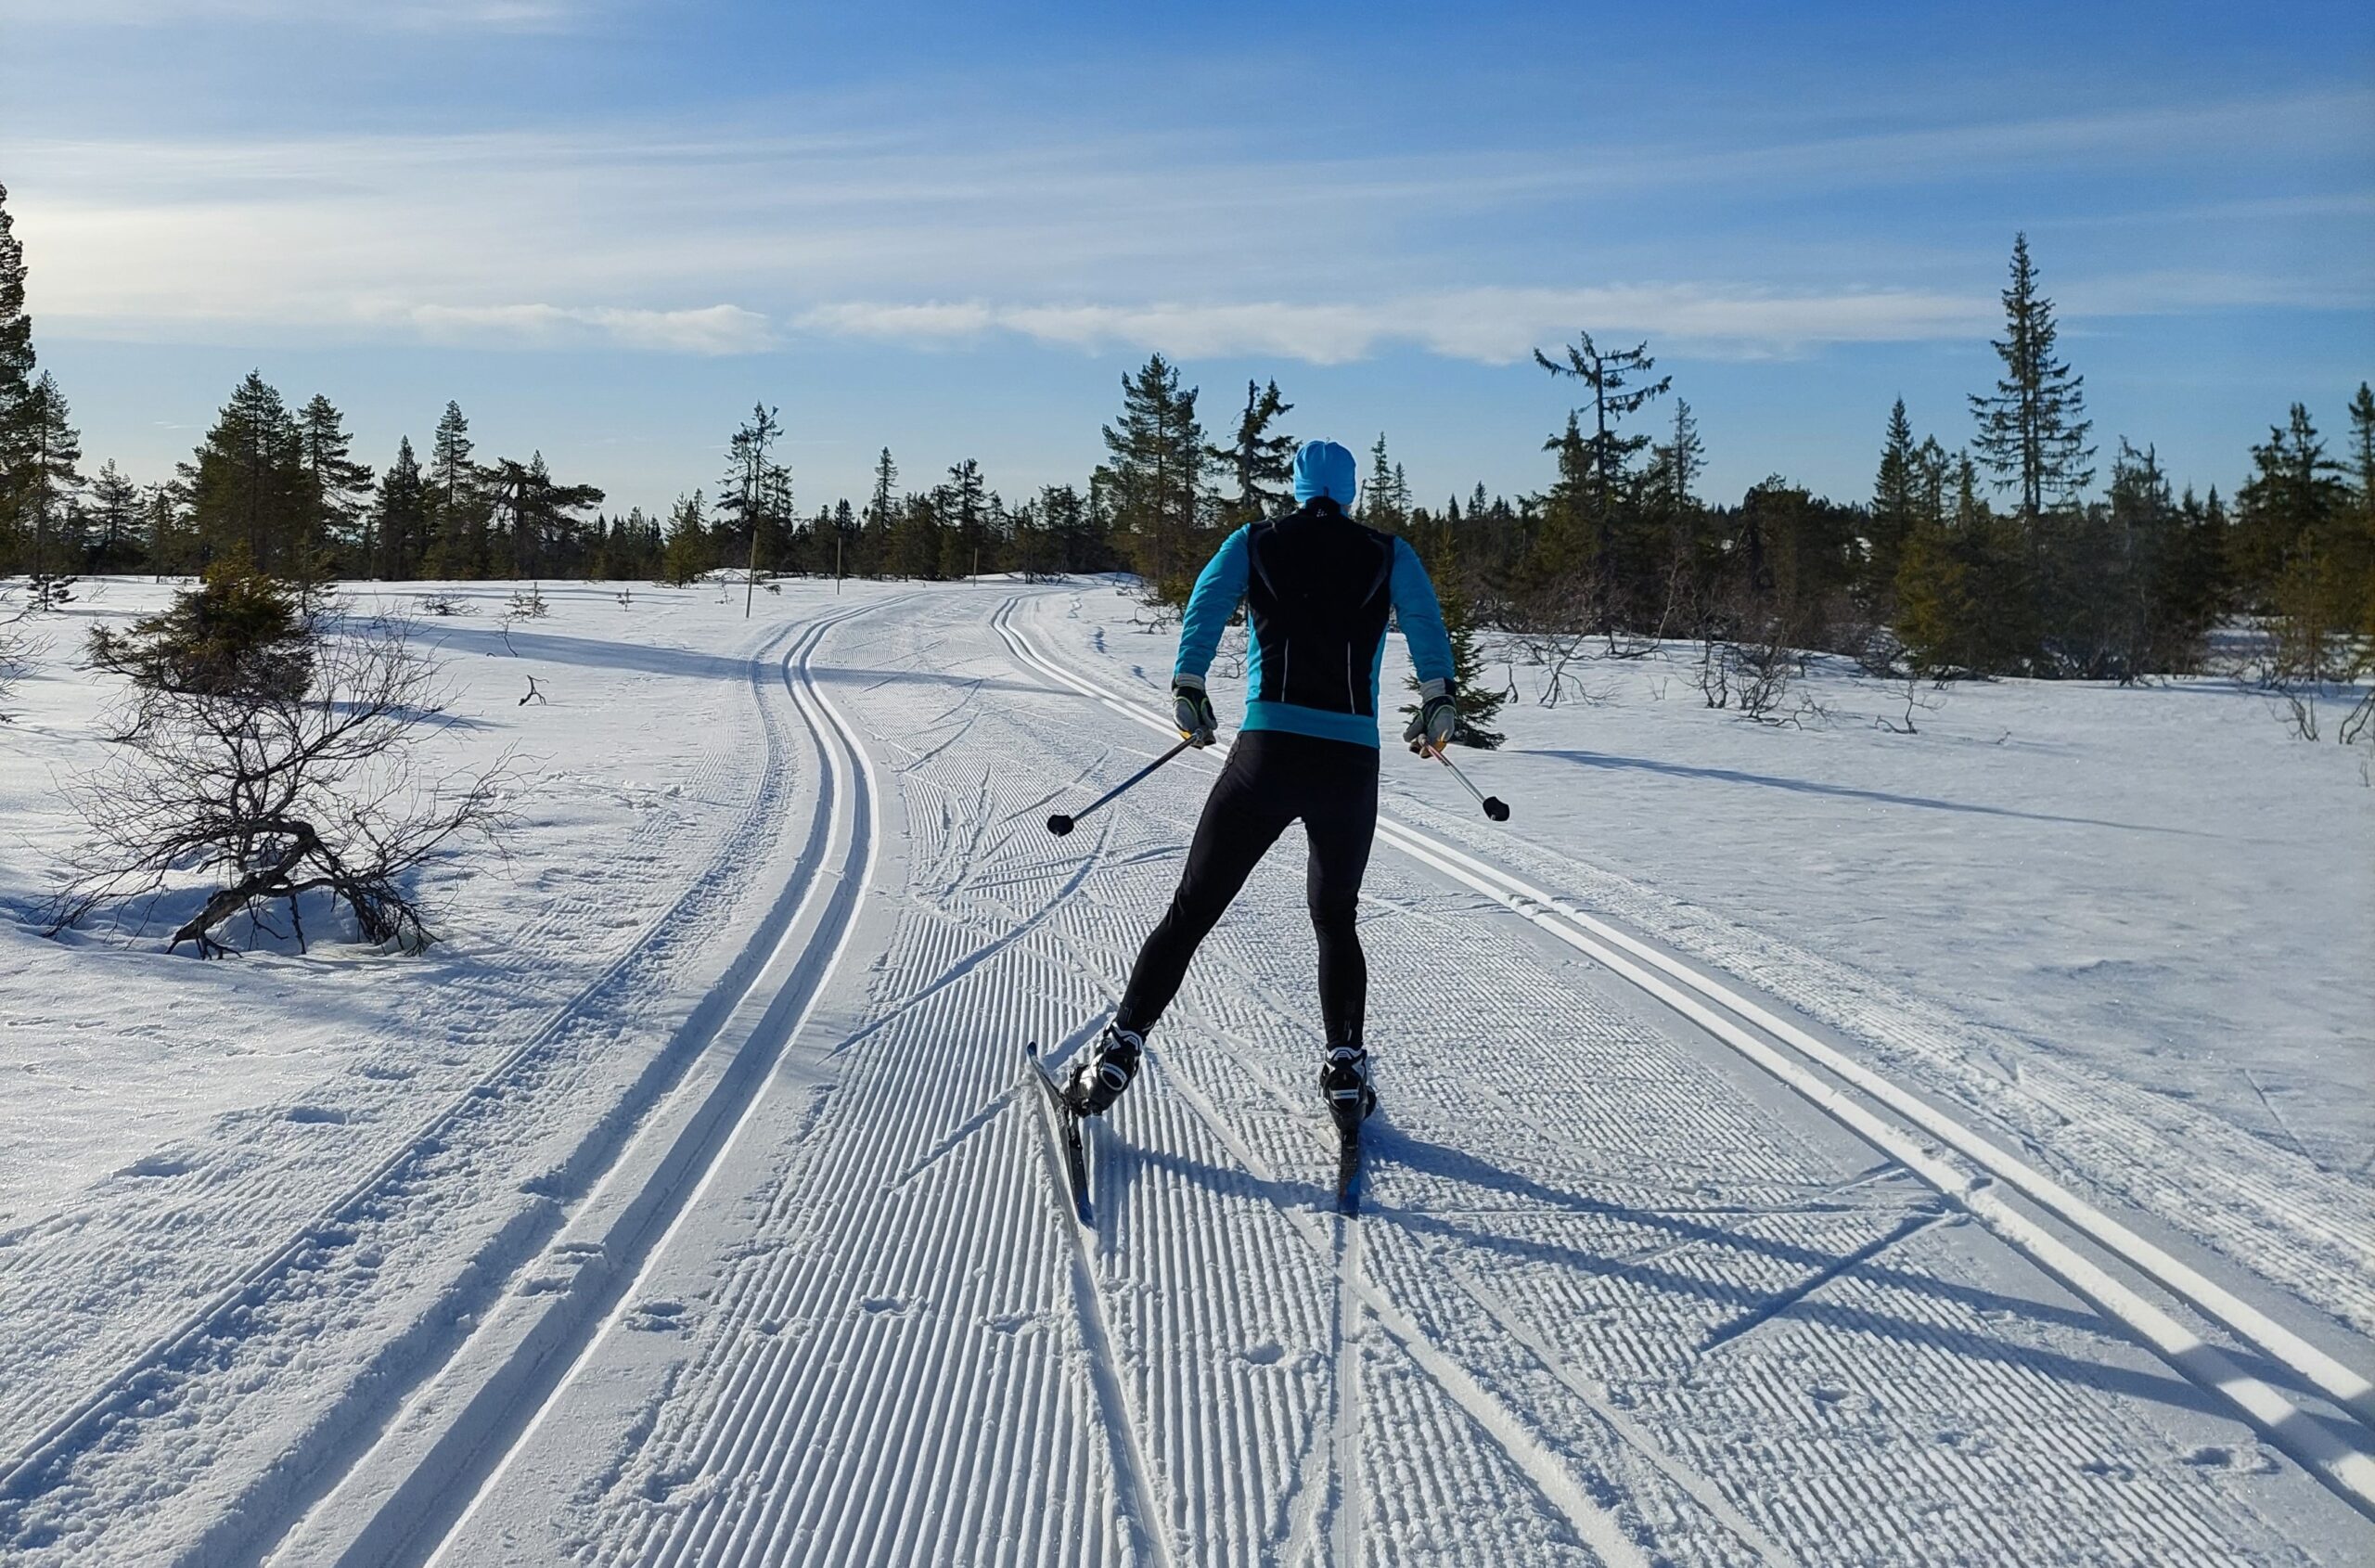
(1242, 818)
(1340, 818)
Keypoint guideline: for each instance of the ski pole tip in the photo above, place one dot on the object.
(1060, 824)
(1495, 808)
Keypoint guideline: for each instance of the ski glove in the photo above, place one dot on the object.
(1192, 711)
(1436, 721)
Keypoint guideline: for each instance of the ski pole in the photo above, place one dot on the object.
(1494, 806)
(1060, 824)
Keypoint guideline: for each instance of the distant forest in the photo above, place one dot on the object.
(2024, 547)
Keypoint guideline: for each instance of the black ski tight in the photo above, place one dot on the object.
(1272, 778)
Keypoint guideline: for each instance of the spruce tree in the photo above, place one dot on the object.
(874, 550)
(247, 482)
(2033, 428)
(118, 518)
(1154, 477)
(686, 553)
(2360, 555)
(965, 504)
(1896, 501)
(1617, 394)
(1261, 464)
(457, 514)
(399, 530)
(1379, 498)
(337, 491)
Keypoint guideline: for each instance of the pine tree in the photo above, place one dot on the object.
(756, 493)
(49, 487)
(16, 365)
(537, 518)
(2033, 428)
(1154, 477)
(1261, 464)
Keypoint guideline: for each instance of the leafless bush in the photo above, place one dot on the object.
(1754, 672)
(16, 644)
(446, 604)
(1918, 696)
(276, 795)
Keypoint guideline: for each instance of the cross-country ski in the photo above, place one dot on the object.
(1065, 1136)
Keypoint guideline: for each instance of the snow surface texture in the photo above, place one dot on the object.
(686, 1207)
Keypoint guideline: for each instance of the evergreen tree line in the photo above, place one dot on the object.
(1996, 555)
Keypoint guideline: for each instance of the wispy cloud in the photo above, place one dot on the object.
(511, 16)
(944, 234)
(711, 329)
(1492, 325)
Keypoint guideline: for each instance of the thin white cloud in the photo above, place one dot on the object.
(427, 16)
(711, 329)
(1492, 325)
(944, 234)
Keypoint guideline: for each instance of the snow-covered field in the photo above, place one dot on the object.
(684, 1206)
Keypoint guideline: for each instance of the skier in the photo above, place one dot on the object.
(1317, 586)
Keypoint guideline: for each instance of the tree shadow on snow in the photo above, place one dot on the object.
(1844, 791)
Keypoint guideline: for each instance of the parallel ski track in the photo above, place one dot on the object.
(877, 1347)
(232, 1311)
(2347, 1468)
(849, 800)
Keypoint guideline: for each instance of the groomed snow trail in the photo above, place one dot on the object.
(254, 1399)
(1615, 1296)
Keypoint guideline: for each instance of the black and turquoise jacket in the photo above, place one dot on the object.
(1318, 588)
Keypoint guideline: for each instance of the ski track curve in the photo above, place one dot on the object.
(1607, 1301)
(177, 1412)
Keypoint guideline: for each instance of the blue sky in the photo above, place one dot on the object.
(607, 227)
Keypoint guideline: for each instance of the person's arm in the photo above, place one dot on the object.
(1219, 588)
(1423, 622)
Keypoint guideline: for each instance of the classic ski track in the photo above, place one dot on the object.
(142, 1389)
(852, 797)
(1345, 1434)
(878, 1357)
(2346, 1467)
(128, 1253)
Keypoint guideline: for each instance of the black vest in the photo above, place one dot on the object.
(1318, 592)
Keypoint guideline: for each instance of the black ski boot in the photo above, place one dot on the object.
(1344, 1079)
(1099, 1078)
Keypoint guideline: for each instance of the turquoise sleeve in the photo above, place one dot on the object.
(1219, 588)
(1421, 617)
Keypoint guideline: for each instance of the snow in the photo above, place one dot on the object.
(685, 1204)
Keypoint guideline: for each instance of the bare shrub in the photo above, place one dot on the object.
(1918, 696)
(274, 794)
(443, 604)
(16, 644)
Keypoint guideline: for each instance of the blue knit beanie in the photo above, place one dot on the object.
(1322, 468)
